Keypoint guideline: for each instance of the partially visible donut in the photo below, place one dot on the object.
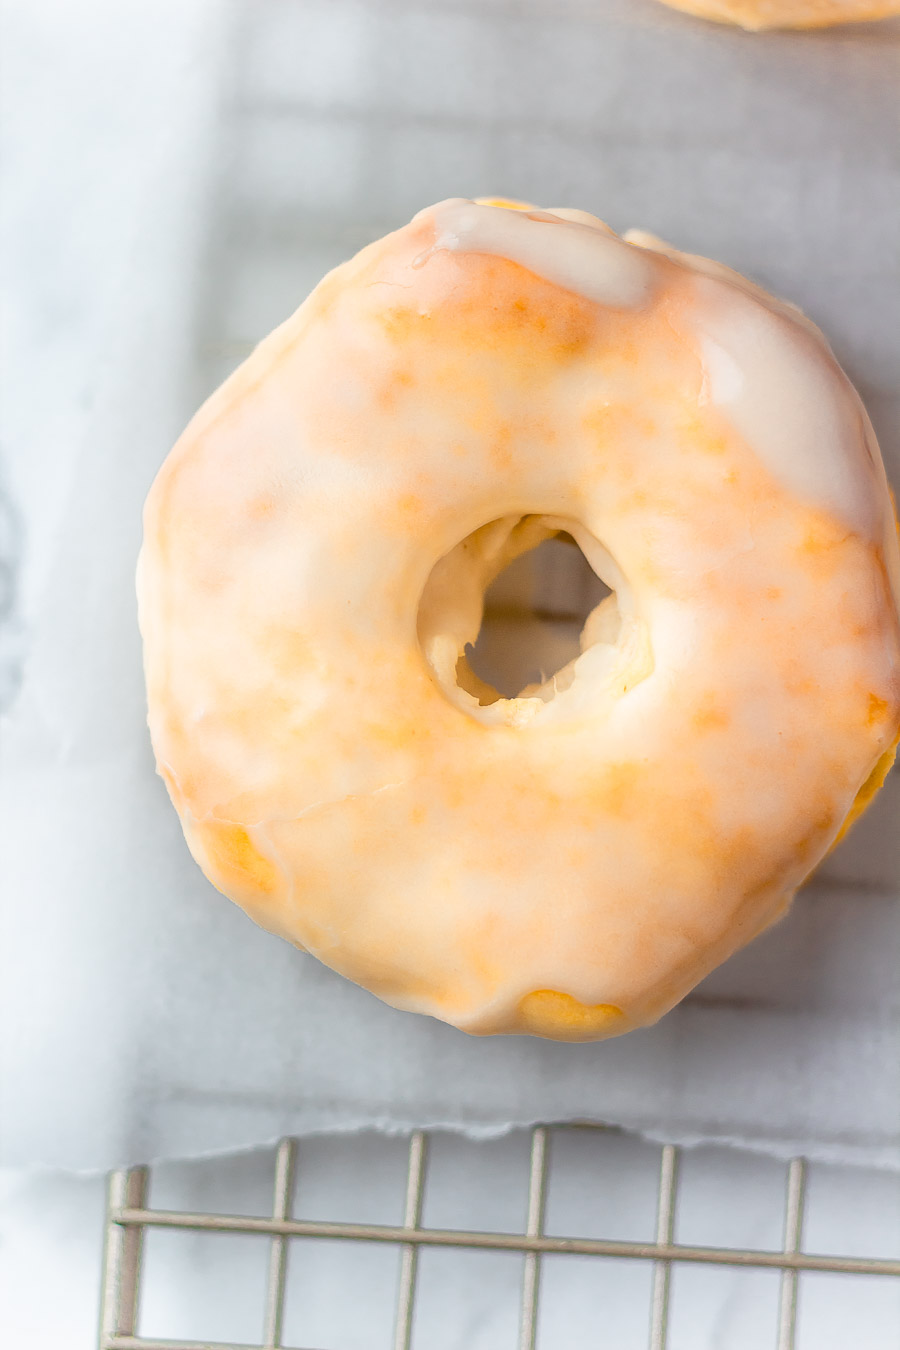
(755, 15)
(571, 861)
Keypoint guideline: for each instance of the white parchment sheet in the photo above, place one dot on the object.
(170, 198)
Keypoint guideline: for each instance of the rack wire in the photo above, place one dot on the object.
(128, 1216)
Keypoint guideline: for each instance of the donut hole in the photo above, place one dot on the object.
(521, 611)
(532, 627)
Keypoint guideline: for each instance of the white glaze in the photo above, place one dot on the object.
(770, 370)
(776, 383)
(575, 251)
(609, 839)
(766, 364)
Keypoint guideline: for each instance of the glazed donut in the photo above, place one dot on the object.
(570, 861)
(756, 15)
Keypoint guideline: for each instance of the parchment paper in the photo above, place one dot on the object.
(225, 156)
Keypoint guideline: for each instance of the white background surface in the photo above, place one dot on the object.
(177, 177)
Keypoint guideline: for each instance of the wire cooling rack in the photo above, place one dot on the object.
(129, 1216)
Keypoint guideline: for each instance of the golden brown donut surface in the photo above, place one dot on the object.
(572, 861)
(755, 15)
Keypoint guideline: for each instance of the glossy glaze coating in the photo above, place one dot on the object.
(572, 861)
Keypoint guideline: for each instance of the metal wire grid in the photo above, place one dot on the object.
(128, 1215)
